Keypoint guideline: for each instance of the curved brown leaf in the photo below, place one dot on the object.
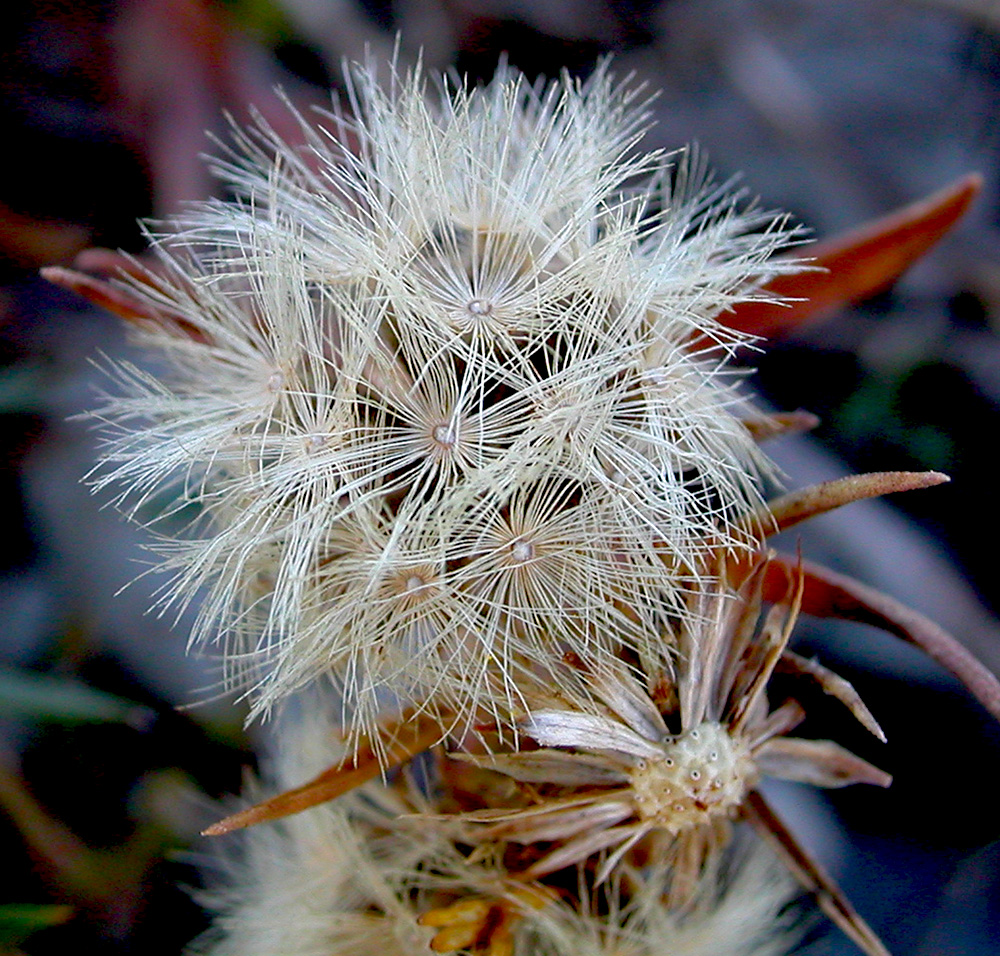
(856, 264)
(834, 685)
(785, 512)
(830, 594)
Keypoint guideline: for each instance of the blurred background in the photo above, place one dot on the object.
(113, 743)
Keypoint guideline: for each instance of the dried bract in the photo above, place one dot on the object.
(674, 752)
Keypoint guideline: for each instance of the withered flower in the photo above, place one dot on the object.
(675, 751)
(364, 877)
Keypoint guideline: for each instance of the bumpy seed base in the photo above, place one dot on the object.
(703, 774)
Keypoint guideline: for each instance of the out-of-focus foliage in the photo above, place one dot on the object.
(18, 922)
(63, 700)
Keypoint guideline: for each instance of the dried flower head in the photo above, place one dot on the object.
(448, 388)
(362, 876)
(671, 756)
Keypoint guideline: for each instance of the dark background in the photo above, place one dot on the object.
(835, 110)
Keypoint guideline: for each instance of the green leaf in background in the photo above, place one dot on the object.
(65, 700)
(20, 388)
(19, 920)
(263, 18)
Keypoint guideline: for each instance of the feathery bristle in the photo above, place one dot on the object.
(432, 385)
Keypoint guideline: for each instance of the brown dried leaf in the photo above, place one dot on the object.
(765, 427)
(408, 737)
(857, 264)
(118, 299)
(829, 594)
(101, 293)
(785, 512)
(811, 875)
(834, 685)
(821, 763)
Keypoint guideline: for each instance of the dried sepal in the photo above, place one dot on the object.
(136, 290)
(765, 427)
(780, 514)
(104, 294)
(831, 594)
(820, 763)
(811, 875)
(834, 685)
(774, 637)
(547, 766)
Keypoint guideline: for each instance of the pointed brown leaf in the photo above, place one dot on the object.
(858, 263)
(785, 512)
(820, 763)
(811, 875)
(409, 737)
(116, 298)
(101, 293)
(834, 685)
(829, 594)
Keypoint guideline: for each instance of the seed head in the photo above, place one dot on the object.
(432, 384)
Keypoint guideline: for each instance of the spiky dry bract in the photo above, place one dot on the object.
(433, 385)
(359, 878)
(668, 755)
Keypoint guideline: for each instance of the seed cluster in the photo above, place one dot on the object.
(442, 390)
(447, 389)
(703, 773)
